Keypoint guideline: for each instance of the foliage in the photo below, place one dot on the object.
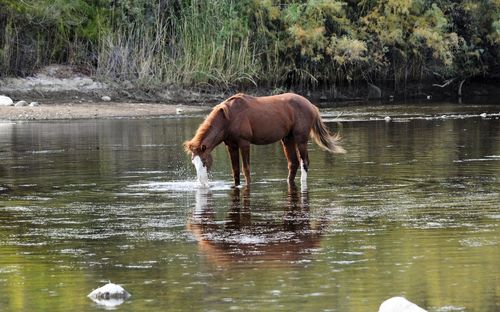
(276, 43)
(37, 32)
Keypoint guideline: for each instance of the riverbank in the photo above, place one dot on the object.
(64, 92)
(73, 110)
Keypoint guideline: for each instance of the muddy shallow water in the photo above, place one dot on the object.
(411, 209)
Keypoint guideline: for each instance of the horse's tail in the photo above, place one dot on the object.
(324, 138)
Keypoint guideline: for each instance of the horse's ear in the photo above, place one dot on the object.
(188, 147)
(225, 110)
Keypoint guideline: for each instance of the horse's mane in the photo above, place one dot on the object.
(195, 142)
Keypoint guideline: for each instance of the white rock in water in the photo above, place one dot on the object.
(34, 104)
(109, 295)
(179, 110)
(399, 304)
(106, 98)
(21, 103)
(201, 171)
(483, 115)
(110, 304)
(109, 291)
(6, 101)
(387, 118)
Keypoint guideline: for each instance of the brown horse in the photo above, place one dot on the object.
(242, 120)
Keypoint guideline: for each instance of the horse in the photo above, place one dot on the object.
(242, 120)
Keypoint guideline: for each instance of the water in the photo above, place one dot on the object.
(411, 209)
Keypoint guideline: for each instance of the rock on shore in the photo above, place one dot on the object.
(6, 101)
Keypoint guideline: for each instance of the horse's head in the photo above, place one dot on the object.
(200, 151)
(210, 132)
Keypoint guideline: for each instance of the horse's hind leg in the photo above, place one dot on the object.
(235, 163)
(304, 155)
(304, 161)
(290, 149)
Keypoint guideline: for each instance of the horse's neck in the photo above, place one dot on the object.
(214, 136)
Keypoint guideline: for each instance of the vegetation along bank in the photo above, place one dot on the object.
(395, 45)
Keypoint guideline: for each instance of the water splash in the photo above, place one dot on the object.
(201, 171)
(176, 186)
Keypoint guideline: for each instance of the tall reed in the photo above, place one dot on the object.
(196, 45)
(275, 43)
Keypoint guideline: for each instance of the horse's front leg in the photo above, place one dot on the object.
(290, 150)
(235, 163)
(245, 160)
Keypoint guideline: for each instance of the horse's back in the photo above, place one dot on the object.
(270, 118)
(300, 107)
(290, 99)
(286, 106)
(287, 102)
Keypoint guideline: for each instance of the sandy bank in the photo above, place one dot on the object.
(93, 110)
(65, 93)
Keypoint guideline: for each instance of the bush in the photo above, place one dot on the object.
(229, 43)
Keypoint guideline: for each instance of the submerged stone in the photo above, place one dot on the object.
(399, 304)
(109, 291)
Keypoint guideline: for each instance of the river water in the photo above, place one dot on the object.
(411, 210)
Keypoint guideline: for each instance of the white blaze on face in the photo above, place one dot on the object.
(303, 174)
(201, 171)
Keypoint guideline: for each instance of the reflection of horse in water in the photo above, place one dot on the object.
(240, 238)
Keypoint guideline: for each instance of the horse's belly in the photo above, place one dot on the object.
(264, 141)
(260, 137)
